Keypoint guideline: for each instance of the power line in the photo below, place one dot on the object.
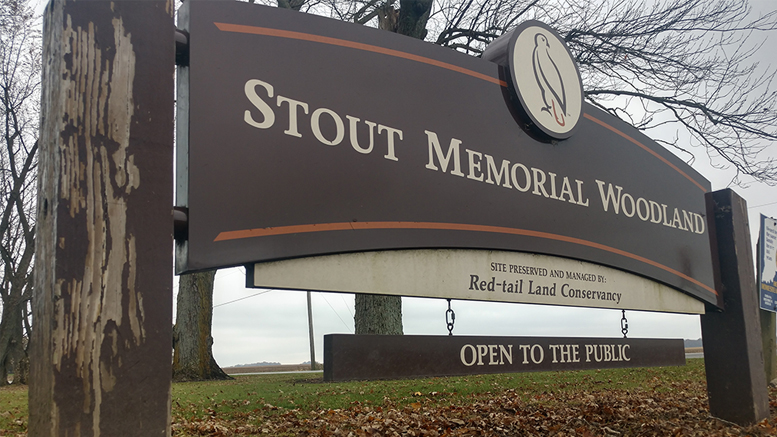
(243, 298)
(758, 206)
(348, 308)
(338, 315)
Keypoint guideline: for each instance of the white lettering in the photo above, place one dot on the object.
(444, 160)
(391, 133)
(505, 353)
(644, 217)
(610, 196)
(261, 105)
(492, 352)
(502, 172)
(482, 351)
(315, 124)
(473, 165)
(537, 347)
(463, 355)
(539, 182)
(293, 105)
(527, 177)
(352, 123)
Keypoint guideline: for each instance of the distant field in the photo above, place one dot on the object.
(258, 369)
(301, 367)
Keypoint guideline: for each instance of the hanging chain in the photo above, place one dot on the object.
(450, 320)
(624, 324)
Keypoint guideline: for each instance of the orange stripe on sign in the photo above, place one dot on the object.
(254, 30)
(646, 148)
(350, 226)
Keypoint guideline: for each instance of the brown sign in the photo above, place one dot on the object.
(350, 357)
(307, 136)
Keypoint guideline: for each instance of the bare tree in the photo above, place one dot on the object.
(689, 64)
(19, 102)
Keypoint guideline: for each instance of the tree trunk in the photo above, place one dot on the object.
(413, 15)
(22, 368)
(375, 314)
(11, 340)
(192, 342)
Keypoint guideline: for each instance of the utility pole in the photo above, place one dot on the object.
(312, 337)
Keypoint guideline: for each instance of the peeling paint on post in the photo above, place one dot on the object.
(102, 308)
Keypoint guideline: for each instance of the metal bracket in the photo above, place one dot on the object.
(180, 223)
(450, 321)
(624, 324)
(181, 48)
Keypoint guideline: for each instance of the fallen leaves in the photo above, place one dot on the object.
(610, 413)
(621, 403)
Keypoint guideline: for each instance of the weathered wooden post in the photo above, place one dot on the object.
(768, 335)
(101, 346)
(733, 356)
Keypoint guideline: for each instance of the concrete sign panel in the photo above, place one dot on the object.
(496, 276)
(303, 136)
(353, 357)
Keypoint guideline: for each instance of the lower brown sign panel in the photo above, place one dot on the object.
(353, 357)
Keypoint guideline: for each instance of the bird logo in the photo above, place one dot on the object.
(549, 80)
(544, 75)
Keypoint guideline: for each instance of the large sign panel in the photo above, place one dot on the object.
(307, 136)
(767, 273)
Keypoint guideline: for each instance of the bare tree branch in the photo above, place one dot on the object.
(19, 88)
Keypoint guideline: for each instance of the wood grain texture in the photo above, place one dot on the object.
(103, 292)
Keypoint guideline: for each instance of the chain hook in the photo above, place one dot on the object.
(624, 324)
(450, 320)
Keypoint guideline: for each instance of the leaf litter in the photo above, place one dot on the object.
(659, 407)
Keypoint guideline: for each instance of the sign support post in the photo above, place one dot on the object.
(733, 356)
(769, 334)
(312, 338)
(102, 305)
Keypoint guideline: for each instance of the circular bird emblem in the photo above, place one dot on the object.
(544, 75)
(549, 80)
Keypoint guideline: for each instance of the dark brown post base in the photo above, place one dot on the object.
(733, 355)
(102, 306)
(769, 342)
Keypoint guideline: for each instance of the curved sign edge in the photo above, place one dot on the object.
(479, 275)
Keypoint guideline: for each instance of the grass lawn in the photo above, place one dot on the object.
(619, 402)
